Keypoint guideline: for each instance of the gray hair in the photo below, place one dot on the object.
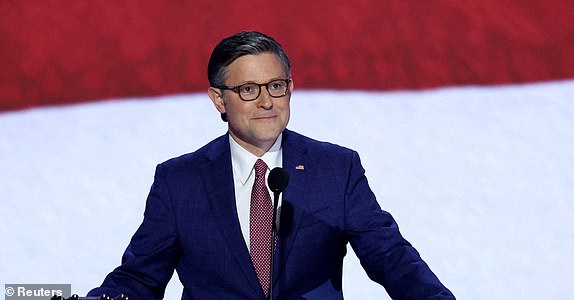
(235, 46)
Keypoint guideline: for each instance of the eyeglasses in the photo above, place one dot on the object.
(250, 91)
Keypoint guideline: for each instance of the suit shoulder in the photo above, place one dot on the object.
(198, 156)
(317, 146)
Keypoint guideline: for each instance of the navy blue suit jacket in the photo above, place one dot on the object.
(191, 225)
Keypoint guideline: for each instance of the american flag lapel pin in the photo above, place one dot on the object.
(300, 167)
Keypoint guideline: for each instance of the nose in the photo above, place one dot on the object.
(265, 100)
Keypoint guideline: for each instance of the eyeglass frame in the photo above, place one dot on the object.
(235, 88)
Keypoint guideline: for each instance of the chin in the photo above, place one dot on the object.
(270, 136)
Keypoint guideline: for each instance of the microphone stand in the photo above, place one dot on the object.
(273, 238)
(277, 180)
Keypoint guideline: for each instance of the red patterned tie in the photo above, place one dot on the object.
(260, 219)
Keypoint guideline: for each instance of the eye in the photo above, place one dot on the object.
(277, 85)
(248, 88)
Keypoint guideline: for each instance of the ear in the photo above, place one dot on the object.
(291, 86)
(216, 97)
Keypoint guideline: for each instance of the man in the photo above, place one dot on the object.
(208, 212)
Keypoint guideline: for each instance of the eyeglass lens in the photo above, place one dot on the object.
(250, 91)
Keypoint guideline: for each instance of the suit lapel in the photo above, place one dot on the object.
(218, 175)
(295, 160)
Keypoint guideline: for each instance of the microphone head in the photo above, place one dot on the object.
(278, 180)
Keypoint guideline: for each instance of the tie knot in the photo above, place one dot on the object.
(260, 168)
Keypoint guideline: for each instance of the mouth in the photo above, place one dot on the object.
(263, 118)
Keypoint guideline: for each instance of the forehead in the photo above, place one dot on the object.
(255, 68)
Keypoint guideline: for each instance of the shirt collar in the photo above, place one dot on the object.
(243, 161)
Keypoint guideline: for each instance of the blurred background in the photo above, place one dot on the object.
(462, 112)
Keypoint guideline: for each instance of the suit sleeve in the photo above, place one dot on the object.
(152, 255)
(385, 255)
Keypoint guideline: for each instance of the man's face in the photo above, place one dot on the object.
(256, 124)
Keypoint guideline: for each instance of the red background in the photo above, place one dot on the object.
(54, 52)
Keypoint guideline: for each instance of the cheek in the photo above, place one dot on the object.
(237, 108)
(285, 109)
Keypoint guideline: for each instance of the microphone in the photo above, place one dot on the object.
(277, 182)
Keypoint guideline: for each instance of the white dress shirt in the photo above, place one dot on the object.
(243, 163)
